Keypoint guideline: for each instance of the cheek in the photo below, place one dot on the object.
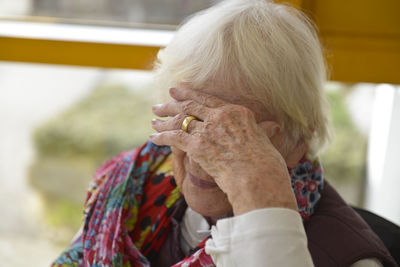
(178, 165)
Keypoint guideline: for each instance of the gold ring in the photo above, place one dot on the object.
(186, 121)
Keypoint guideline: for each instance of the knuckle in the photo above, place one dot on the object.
(180, 134)
(204, 99)
(188, 106)
(178, 120)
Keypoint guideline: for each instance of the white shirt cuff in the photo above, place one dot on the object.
(265, 237)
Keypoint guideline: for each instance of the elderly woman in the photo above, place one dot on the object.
(231, 177)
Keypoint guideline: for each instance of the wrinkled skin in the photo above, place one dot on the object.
(229, 160)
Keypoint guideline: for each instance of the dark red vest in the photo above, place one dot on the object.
(337, 236)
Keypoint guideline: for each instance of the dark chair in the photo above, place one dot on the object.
(388, 232)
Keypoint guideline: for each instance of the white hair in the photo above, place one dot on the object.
(263, 51)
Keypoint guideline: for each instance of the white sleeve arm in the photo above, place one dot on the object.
(265, 237)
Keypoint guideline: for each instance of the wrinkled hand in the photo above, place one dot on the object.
(230, 146)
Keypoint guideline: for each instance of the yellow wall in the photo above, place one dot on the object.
(361, 37)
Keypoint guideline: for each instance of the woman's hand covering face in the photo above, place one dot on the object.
(230, 146)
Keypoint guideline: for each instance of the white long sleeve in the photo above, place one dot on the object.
(265, 237)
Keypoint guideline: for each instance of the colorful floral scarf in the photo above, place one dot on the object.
(129, 206)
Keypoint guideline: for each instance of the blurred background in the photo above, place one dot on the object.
(70, 99)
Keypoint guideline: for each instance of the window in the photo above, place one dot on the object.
(106, 12)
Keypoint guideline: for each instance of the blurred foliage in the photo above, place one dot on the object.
(344, 160)
(62, 213)
(108, 121)
(59, 177)
(74, 143)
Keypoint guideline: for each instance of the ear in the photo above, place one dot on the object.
(270, 128)
(291, 155)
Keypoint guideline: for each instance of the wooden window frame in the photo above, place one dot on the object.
(81, 45)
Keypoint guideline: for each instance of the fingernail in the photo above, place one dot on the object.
(152, 135)
(172, 90)
(153, 121)
(156, 106)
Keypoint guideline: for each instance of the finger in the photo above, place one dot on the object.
(176, 138)
(182, 94)
(189, 107)
(168, 125)
(168, 109)
(174, 123)
(193, 126)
